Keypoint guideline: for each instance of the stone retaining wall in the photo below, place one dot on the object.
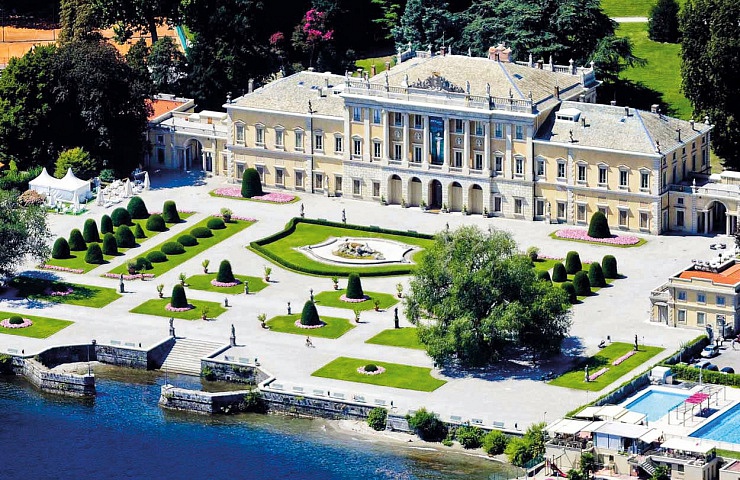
(233, 372)
(60, 383)
(201, 402)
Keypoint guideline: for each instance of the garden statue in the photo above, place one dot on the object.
(288, 308)
(232, 339)
(586, 375)
(226, 301)
(302, 214)
(310, 292)
(172, 326)
(344, 216)
(246, 287)
(121, 284)
(635, 342)
(395, 317)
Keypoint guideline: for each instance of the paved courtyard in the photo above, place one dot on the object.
(508, 393)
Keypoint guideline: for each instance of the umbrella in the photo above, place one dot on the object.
(146, 181)
(101, 197)
(76, 204)
(129, 188)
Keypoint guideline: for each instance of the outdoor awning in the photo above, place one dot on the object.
(567, 427)
(651, 436)
(688, 445)
(697, 398)
(588, 412)
(632, 417)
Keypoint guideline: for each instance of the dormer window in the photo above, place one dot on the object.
(568, 115)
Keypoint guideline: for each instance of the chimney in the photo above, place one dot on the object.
(626, 111)
(583, 122)
(372, 70)
(654, 108)
(691, 122)
(228, 97)
(678, 135)
(387, 66)
(500, 53)
(556, 92)
(250, 85)
(540, 63)
(613, 103)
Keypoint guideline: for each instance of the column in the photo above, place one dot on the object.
(347, 136)
(386, 136)
(466, 146)
(507, 156)
(727, 224)
(706, 222)
(367, 143)
(405, 156)
(446, 163)
(425, 147)
(487, 148)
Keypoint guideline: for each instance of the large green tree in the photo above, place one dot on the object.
(473, 295)
(167, 65)
(424, 23)
(710, 67)
(128, 16)
(80, 20)
(23, 233)
(663, 22)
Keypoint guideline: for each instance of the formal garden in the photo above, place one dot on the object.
(384, 374)
(308, 323)
(406, 337)
(223, 281)
(598, 233)
(63, 292)
(354, 297)
(178, 306)
(580, 279)
(251, 190)
(32, 326)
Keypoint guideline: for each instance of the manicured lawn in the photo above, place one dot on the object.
(156, 307)
(334, 328)
(604, 359)
(311, 234)
(640, 242)
(83, 295)
(629, 8)
(398, 337)
(379, 63)
(232, 228)
(396, 375)
(203, 282)
(331, 299)
(43, 327)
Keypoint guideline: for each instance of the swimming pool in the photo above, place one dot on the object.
(723, 428)
(656, 403)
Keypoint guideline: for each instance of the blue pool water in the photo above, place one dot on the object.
(725, 428)
(656, 403)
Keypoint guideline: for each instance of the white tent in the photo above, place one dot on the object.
(69, 188)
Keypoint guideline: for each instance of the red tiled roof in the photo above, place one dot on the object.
(730, 276)
(160, 107)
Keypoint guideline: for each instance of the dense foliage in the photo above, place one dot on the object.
(582, 284)
(76, 242)
(427, 426)
(598, 227)
(81, 163)
(60, 250)
(609, 264)
(138, 231)
(178, 299)
(494, 442)
(106, 225)
(377, 417)
(137, 208)
(558, 273)
(596, 275)
(125, 237)
(309, 315)
(225, 275)
(663, 22)
(187, 240)
(251, 183)
(155, 256)
(521, 450)
(573, 263)
(155, 223)
(201, 232)
(169, 212)
(172, 248)
(120, 216)
(215, 224)
(110, 246)
(94, 254)
(23, 233)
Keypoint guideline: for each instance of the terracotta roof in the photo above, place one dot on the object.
(730, 276)
(160, 107)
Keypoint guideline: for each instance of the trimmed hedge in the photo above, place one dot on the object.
(94, 255)
(110, 247)
(354, 287)
(598, 227)
(558, 273)
(581, 284)
(156, 256)
(309, 315)
(120, 216)
(15, 320)
(178, 299)
(139, 232)
(544, 275)
(187, 240)
(169, 212)
(60, 250)
(687, 372)
(137, 208)
(216, 224)
(570, 290)
(201, 232)
(125, 237)
(143, 264)
(76, 242)
(90, 231)
(106, 225)
(225, 275)
(251, 183)
(573, 263)
(172, 248)
(596, 275)
(609, 264)
(155, 223)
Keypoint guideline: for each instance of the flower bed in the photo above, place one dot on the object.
(376, 372)
(186, 212)
(136, 276)
(576, 234)
(344, 298)
(6, 323)
(597, 374)
(62, 269)
(216, 283)
(170, 308)
(623, 357)
(236, 217)
(59, 293)
(307, 327)
(273, 197)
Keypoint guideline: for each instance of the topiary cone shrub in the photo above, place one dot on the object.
(178, 300)
(596, 275)
(570, 290)
(76, 242)
(354, 287)
(139, 232)
(60, 249)
(598, 227)
(125, 237)
(155, 223)
(609, 265)
(581, 284)
(573, 263)
(110, 247)
(251, 183)
(225, 274)
(544, 275)
(169, 212)
(94, 255)
(309, 315)
(558, 273)
(106, 225)
(90, 231)
(120, 217)
(137, 208)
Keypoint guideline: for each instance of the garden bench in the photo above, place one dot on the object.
(12, 350)
(277, 386)
(319, 393)
(115, 342)
(498, 424)
(129, 344)
(243, 360)
(338, 395)
(298, 389)
(455, 419)
(227, 358)
(476, 421)
(380, 402)
(359, 398)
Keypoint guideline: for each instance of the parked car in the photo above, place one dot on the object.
(710, 351)
(703, 364)
(727, 370)
(712, 367)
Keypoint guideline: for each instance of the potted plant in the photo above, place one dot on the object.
(465, 210)
(335, 280)
(160, 289)
(383, 201)
(131, 266)
(423, 205)
(357, 316)
(376, 302)
(403, 203)
(268, 271)
(204, 312)
(444, 208)
(226, 213)
(485, 212)
(182, 278)
(399, 289)
(262, 318)
(205, 264)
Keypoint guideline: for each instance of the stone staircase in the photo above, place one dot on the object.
(186, 354)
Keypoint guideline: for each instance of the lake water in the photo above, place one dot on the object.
(123, 434)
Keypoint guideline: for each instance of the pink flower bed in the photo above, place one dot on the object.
(307, 327)
(275, 197)
(170, 308)
(6, 323)
(344, 298)
(179, 211)
(236, 217)
(597, 374)
(59, 293)
(623, 357)
(229, 192)
(376, 372)
(576, 234)
(62, 269)
(136, 276)
(216, 283)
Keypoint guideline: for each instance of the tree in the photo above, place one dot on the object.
(79, 20)
(169, 212)
(127, 16)
(558, 273)
(376, 418)
(424, 23)
(391, 10)
(167, 65)
(125, 237)
(480, 296)
(573, 263)
(309, 315)
(596, 275)
(312, 33)
(137, 58)
(120, 216)
(110, 246)
(494, 443)
(598, 227)
(137, 208)
(251, 183)
(94, 255)
(427, 426)
(23, 233)
(76, 242)
(225, 275)
(570, 291)
(663, 22)
(609, 264)
(354, 287)
(582, 284)
(612, 55)
(662, 472)
(178, 298)
(60, 249)
(709, 70)
(79, 161)
(106, 224)
(90, 231)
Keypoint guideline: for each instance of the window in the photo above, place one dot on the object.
(519, 166)
(279, 135)
(539, 205)
(338, 144)
(680, 221)
(581, 213)
(603, 176)
(318, 180)
(377, 148)
(682, 316)
(679, 467)
(561, 170)
(458, 159)
(397, 119)
(338, 183)
(356, 114)
(498, 130)
(701, 298)
(376, 189)
(720, 301)
(160, 155)
(261, 172)
(561, 210)
(376, 116)
(498, 164)
(259, 135)
(497, 204)
(582, 173)
(623, 175)
(418, 121)
(279, 176)
(623, 215)
(518, 206)
(356, 187)
(519, 132)
(540, 167)
(459, 128)
(478, 161)
(701, 318)
(644, 180)
(644, 220)
(397, 149)
(318, 141)
(160, 139)
(299, 140)
(681, 295)
(298, 179)
(239, 128)
(664, 183)
(357, 147)
(479, 129)
(418, 153)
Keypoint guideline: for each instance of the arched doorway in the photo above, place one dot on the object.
(455, 197)
(193, 155)
(475, 199)
(414, 192)
(435, 195)
(395, 190)
(713, 219)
